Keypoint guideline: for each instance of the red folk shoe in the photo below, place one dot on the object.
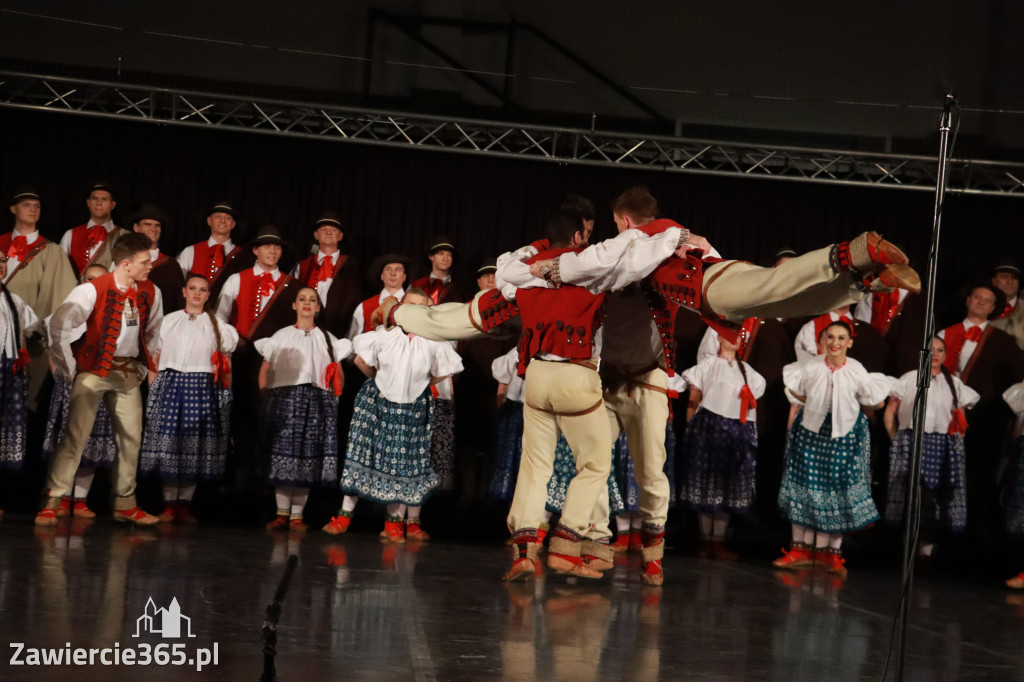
(135, 515)
(166, 516)
(636, 541)
(64, 508)
(182, 513)
(833, 561)
(651, 555)
(338, 524)
(46, 517)
(621, 543)
(717, 550)
(393, 531)
(798, 555)
(297, 526)
(1016, 583)
(81, 509)
(279, 523)
(413, 531)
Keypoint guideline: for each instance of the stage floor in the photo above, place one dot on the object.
(361, 610)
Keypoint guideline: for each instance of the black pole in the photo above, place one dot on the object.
(269, 631)
(924, 375)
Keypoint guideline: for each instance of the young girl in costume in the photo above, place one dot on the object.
(825, 489)
(189, 406)
(720, 443)
(301, 380)
(388, 456)
(943, 478)
(100, 450)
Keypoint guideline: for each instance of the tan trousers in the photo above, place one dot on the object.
(805, 285)
(563, 388)
(124, 401)
(445, 322)
(642, 414)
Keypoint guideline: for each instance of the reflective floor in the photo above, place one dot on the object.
(361, 610)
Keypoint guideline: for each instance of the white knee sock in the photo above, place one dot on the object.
(798, 535)
(835, 541)
(622, 522)
(396, 510)
(808, 537)
(547, 516)
(299, 497)
(925, 548)
(83, 481)
(170, 491)
(283, 496)
(186, 491)
(636, 523)
(413, 512)
(707, 523)
(721, 523)
(348, 504)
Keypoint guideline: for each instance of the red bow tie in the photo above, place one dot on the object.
(973, 334)
(267, 284)
(322, 272)
(19, 247)
(95, 235)
(216, 258)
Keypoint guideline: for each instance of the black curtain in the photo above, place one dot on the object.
(397, 199)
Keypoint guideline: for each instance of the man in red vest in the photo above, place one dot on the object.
(334, 275)
(438, 284)
(121, 312)
(391, 269)
(90, 244)
(217, 257)
(165, 275)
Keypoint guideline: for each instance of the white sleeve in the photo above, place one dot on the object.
(905, 386)
(65, 241)
(862, 311)
(156, 317)
(445, 360)
(1014, 397)
(677, 383)
(185, 260)
(618, 262)
(30, 324)
(503, 369)
(355, 327)
(342, 347)
(365, 346)
(755, 381)
(694, 376)
(228, 294)
(513, 273)
(709, 346)
(70, 315)
(806, 345)
(228, 338)
(967, 395)
(793, 380)
(874, 388)
(266, 347)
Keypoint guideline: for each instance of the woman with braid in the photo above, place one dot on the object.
(188, 411)
(298, 435)
(943, 478)
(720, 444)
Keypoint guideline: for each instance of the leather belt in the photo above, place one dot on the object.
(556, 413)
(582, 363)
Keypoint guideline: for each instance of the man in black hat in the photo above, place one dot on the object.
(439, 285)
(89, 244)
(391, 269)
(38, 272)
(988, 360)
(334, 275)
(165, 275)
(215, 258)
(1006, 278)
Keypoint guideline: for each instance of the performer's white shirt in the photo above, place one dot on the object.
(12, 263)
(65, 241)
(187, 343)
(1014, 397)
(606, 266)
(939, 411)
(405, 363)
(74, 313)
(229, 292)
(355, 328)
(841, 391)
(188, 254)
(969, 346)
(720, 382)
(300, 356)
(862, 311)
(505, 370)
(323, 286)
(27, 323)
(806, 345)
(709, 345)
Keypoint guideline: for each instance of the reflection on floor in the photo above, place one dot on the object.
(361, 610)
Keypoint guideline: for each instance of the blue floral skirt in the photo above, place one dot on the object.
(825, 483)
(101, 448)
(508, 451)
(718, 463)
(298, 436)
(13, 414)
(442, 443)
(187, 427)
(943, 481)
(388, 456)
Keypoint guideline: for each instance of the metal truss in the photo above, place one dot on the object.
(503, 140)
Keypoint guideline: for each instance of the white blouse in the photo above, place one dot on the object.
(720, 382)
(27, 321)
(299, 356)
(505, 370)
(840, 391)
(940, 401)
(404, 362)
(187, 344)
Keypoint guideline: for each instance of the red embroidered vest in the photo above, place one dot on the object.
(436, 289)
(368, 306)
(308, 267)
(559, 321)
(80, 247)
(955, 338)
(34, 248)
(885, 307)
(94, 351)
(203, 260)
(248, 307)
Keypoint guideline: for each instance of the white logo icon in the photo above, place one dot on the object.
(164, 622)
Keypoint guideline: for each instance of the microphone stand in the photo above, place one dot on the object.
(924, 376)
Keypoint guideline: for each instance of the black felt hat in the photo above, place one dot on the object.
(440, 243)
(23, 192)
(377, 266)
(223, 207)
(488, 266)
(1005, 265)
(150, 212)
(100, 186)
(268, 234)
(329, 218)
